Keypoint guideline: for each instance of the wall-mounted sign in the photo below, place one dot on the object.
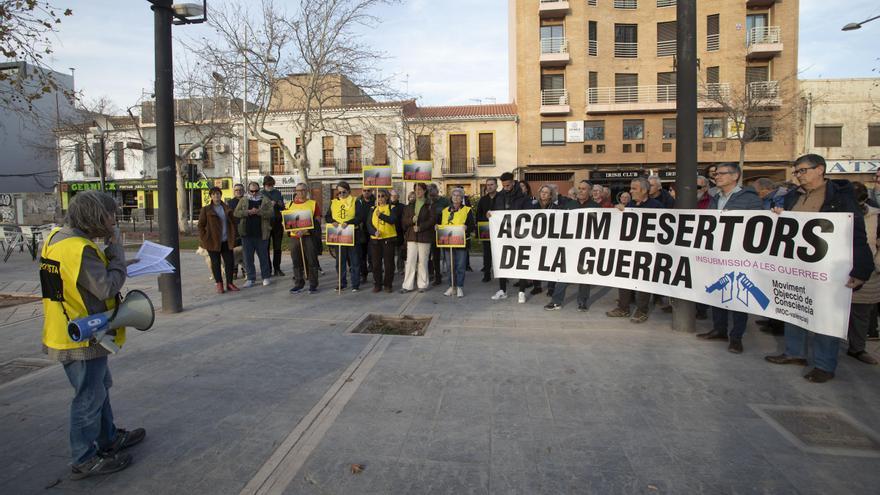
(852, 166)
(575, 131)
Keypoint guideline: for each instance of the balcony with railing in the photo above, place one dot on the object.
(458, 167)
(555, 102)
(713, 42)
(626, 4)
(666, 48)
(638, 99)
(764, 93)
(554, 52)
(553, 8)
(626, 50)
(329, 163)
(755, 4)
(593, 48)
(666, 3)
(764, 42)
(352, 166)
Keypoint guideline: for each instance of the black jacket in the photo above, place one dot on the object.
(393, 218)
(513, 200)
(665, 199)
(839, 198)
(484, 206)
(360, 216)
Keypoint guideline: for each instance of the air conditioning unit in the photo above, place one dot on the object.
(197, 155)
(221, 148)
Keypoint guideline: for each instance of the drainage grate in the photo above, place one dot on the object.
(821, 430)
(415, 326)
(17, 368)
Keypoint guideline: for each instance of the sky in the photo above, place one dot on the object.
(443, 52)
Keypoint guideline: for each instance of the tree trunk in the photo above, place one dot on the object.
(181, 197)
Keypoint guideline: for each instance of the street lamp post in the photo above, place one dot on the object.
(164, 14)
(852, 26)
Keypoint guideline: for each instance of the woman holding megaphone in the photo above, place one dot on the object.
(79, 279)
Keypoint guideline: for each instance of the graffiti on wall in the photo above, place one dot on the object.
(7, 212)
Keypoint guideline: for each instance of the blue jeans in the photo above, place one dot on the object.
(559, 293)
(350, 257)
(719, 322)
(458, 264)
(824, 347)
(250, 245)
(91, 418)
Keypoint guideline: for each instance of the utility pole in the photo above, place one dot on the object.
(169, 283)
(684, 312)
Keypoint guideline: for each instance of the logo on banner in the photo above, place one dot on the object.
(739, 286)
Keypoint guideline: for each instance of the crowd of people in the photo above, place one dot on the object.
(393, 238)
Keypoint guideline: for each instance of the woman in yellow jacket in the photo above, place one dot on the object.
(457, 214)
(382, 227)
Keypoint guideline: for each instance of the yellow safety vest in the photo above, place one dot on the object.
(384, 230)
(458, 218)
(59, 271)
(308, 204)
(343, 210)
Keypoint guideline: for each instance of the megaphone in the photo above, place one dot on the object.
(135, 310)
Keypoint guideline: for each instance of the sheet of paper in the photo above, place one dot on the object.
(151, 260)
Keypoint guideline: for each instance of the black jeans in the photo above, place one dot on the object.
(304, 247)
(382, 257)
(434, 267)
(228, 262)
(626, 296)
(275, 244)
(487, 259)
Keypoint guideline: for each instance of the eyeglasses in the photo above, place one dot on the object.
(300, 190)
(254, 191)
(801, 171)
(724, 173)
(342, 193)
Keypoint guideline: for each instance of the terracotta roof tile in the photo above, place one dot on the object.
(465, 111)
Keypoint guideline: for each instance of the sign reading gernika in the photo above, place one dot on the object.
(791, 267)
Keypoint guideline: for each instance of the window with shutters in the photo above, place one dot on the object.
(721, 146)
(626, 88)
(253, 152)
(298, 146)
(552, 133)
(600, 148)
(594, 130)
(713, 75)
(423, 147)
(713, 127)
(707, 146)
(757, 74)
(458, 151)
(626, 40)
(119, 155)
(380, 149)
(873, 134)
(592, 84)
(276, 158)
(633, 129)
(759, 129)
(486, 142)
(592, 39)
(666, 39)
(668, 128)
(78, 157)
(640, 147)
(97, 157)
(713, 33)
(588, 148)
(208, 160)
(627, 148)
(667, 147)
(353, 155)
(827, 136)
(592, 3)
(666, 86)
(327, 155)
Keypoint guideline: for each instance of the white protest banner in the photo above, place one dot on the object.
(791, 267)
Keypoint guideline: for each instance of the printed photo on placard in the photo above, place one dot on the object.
(338, 236)
(417, 171)
(483, 231)
(297, 219)
(451, 236)
(377, 176)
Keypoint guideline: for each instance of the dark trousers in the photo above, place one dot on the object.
(859, 318)
(304, 247)
(275, 244)
(559, 293)
(382, 257)
(502, 284)
(228, 262)
(626, 296)
(487, 259)
(719, 322)
(434, 266)
(364, 253)
(349, 257)
(401, 254)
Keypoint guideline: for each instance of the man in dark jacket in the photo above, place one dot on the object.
(510, 197)
(277, 228)
(368, 201)
(439, 203)
(400, 252)
(584, 200)
(730, 197)
(484, 206)
(661, 195)
(818, 194)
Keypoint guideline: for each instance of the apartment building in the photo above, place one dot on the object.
(594, 82)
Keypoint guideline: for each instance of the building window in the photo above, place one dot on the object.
(666, 88)
(873, 134)
(592, 84)
(78, 157)
(592, 39)
(594, 130)
(380, 149)
(666, 34)
(633, 129)
(713, 33)
(327, 155)
(552, 133)
(667, 147)
(640, 147)
(353, 157)
(592, 3)
(276, 158)
(208, 155)
(666, 3)
(707, 146)
(588, 148)
(486, 148)
(713, 75)
(713, 127)
(253, 155)
(721, 146)
(552, 38)
(668, 128)
(757, 74)
(119, 155)
(827, 136)
(627, 148)
(423, 147)
(626, 88)
(760, 129)
(600, 148)
(626, 40)
(298, 146)
(626, 4)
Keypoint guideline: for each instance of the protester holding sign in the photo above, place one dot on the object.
(486, 204)
(586, 198)
(418, 223)
(817, 194)
(730, 197)
(865, 299)
(638, 190)
(382, 227)
(546, 200)
(457, 214)
(303, 250)
(510, 198)
(344, 211)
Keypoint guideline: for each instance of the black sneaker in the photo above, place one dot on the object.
(279, 273)
(296, 290)
(552, 306)
(100, 464)
(583, 308)
(125, 439)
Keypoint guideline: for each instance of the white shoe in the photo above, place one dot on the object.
(521, 298)
(249, 283)
(499, 295)
(459, 292)
(449, 291)
(267, 281)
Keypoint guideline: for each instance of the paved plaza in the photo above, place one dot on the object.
(263, 391)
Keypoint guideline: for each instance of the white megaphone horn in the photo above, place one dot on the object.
(135, 310)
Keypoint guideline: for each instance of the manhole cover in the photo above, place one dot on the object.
(415, 326)
(822, 430)
(17, 368)
(7, 300)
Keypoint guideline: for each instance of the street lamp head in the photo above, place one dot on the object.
(852, 26)
(217, 77)
(188, 10)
